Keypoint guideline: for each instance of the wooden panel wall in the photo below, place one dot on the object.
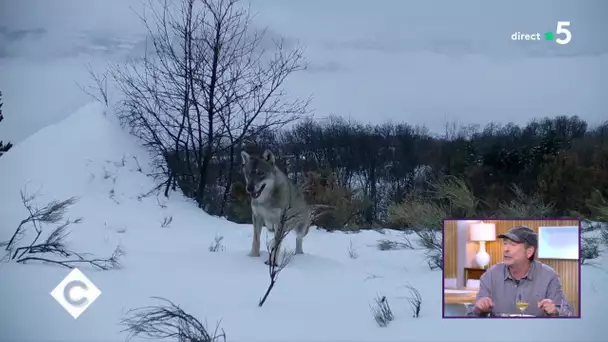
(568, 270)
(450, 249)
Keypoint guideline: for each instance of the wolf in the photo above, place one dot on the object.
(275, 202)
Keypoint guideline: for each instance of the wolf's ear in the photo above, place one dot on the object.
(244, 157)
(268, 156)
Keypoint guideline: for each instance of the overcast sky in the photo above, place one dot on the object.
(422, 62)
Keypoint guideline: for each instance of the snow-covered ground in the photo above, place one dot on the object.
(323, 295)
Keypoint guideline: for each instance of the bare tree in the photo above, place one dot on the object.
(157, 95)
(206, 85)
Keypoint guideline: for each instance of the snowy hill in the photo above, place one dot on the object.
(323, 295)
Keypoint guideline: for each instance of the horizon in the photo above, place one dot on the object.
(369, 64)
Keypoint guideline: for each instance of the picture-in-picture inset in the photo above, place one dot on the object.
(511, 268)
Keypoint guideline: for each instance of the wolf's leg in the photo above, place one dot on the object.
(299, 249)
(301, 232)
(255, 243)
(278, 237)
(275, 251)
(271, 227)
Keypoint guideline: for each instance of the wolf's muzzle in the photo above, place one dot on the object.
(253, 193)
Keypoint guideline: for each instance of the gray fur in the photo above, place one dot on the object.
(274, 198)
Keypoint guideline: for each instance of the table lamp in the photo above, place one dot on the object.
(482, 232)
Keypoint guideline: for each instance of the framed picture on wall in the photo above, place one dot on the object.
(560, 242)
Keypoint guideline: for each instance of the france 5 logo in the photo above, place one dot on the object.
(562, 34)
(561, 30)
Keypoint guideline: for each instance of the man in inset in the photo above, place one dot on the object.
(520, 278)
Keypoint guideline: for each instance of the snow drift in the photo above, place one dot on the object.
(323, 295)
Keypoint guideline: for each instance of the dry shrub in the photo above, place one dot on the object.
(457, 195)
(598, 205)
(524, 206)
(347, 205)
(417, 213)
(239, 206)
(449, 197)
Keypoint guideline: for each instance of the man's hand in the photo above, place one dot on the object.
(547, 306)
(484, 304)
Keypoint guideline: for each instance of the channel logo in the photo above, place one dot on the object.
(562, 34)
(76, 293)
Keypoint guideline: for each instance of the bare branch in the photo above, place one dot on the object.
(382, 312)
(276, 265)
(352, 252)
(217, 246)
(168, 321)
(53, 246)
(431, 241)
(104, 264)
(99, 92)
(389, 245)
(415, 300)
(53, 212)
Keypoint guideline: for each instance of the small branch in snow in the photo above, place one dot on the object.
(104, 264)
(112, 196)
(106, 173)
(276, 265)
(415, 300)
(162, 205)
(139, 168)
(217, 245)
(53, 245)
(168, 321)
(372, 276)
(352, 252)
(382, 311)
(52, 213)
(431, 241)
(166, 221)
(389, 245)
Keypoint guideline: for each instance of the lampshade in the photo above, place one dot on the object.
(482, 231)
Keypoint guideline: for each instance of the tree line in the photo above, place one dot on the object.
(549, 167)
